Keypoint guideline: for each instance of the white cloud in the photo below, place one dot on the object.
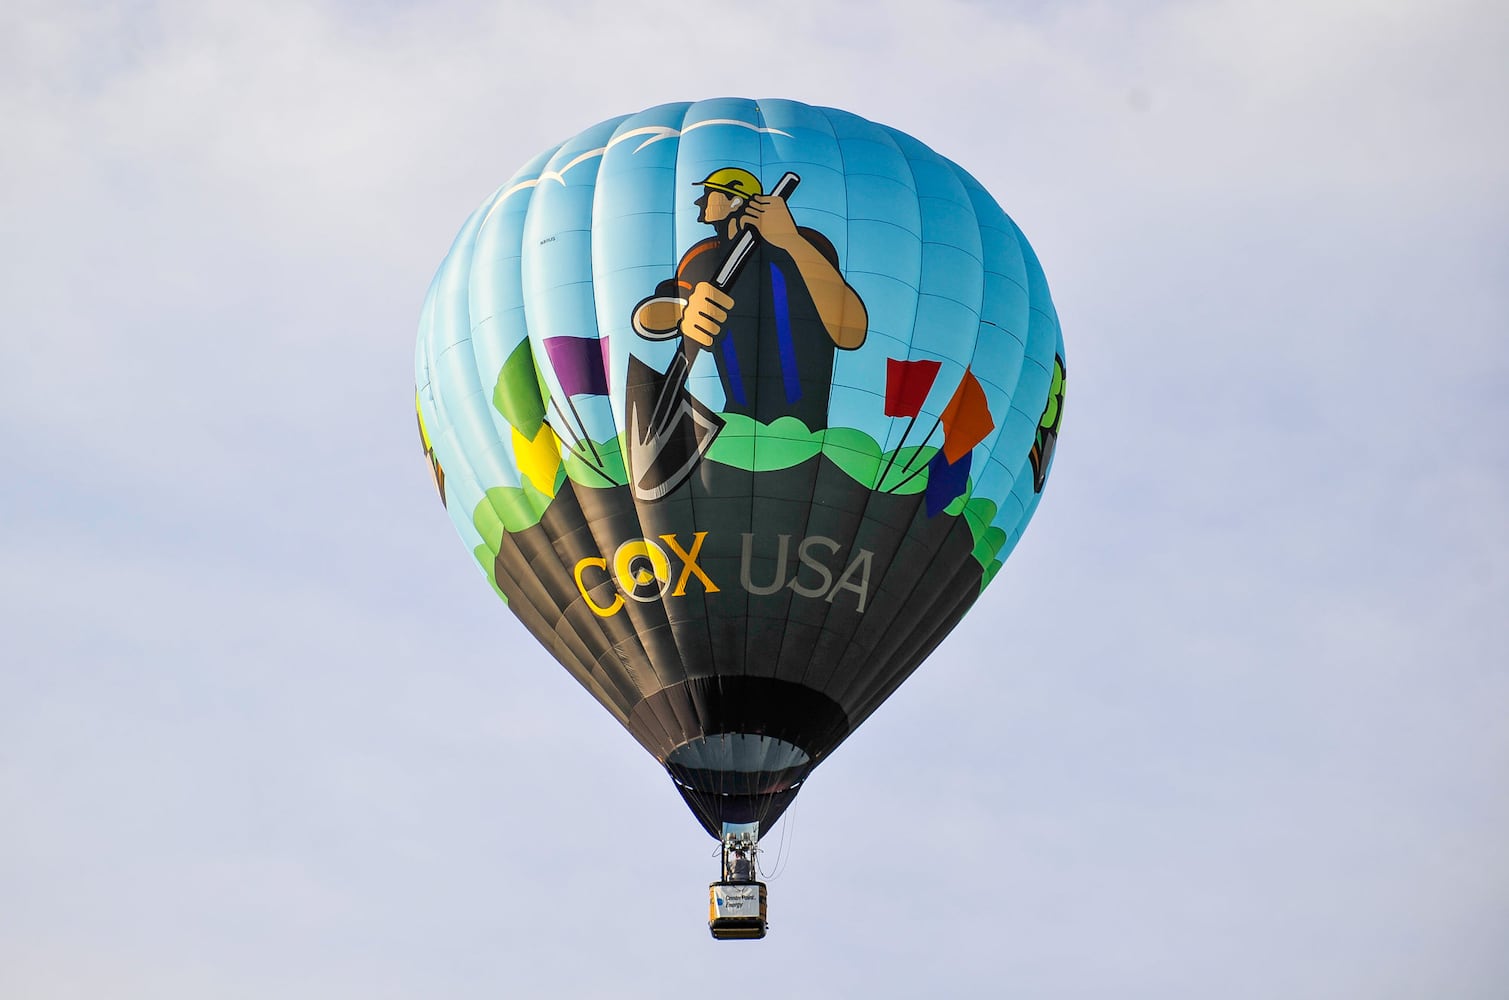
(260, 716)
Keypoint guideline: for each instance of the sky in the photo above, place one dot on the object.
(1232, 720)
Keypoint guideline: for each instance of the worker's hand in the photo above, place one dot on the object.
(770, 217)
(706, 310)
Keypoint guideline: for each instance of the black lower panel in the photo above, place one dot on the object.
(761, 706)
(781, 603)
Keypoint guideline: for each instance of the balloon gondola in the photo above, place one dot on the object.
(740, 405)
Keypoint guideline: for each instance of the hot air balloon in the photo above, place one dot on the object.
(740, 405)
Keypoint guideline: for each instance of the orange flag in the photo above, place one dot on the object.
(966, 419)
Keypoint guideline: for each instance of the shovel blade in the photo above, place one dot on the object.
(662, 456)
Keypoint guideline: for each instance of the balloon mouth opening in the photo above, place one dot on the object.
(746, 753)
(738, 777)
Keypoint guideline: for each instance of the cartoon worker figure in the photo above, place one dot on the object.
(774, 329)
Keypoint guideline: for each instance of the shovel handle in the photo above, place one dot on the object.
(734, 262)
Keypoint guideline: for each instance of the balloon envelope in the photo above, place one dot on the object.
(739, 406)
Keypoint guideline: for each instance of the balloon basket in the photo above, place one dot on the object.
(736, 904)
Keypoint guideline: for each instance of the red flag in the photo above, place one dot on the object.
(907, 384)
(966, 419)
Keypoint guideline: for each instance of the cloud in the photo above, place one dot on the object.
(262, 726)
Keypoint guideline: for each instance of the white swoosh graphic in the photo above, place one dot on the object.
(655, 132)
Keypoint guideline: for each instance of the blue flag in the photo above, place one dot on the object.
(945, 481)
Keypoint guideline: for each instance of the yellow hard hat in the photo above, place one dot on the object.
(733, 180)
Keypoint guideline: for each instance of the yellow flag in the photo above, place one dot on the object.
(539, 459)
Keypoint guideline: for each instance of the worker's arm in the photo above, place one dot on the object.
(838, 305)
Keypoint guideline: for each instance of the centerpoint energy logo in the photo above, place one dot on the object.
(641, 570)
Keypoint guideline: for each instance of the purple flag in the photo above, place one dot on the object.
(580, 363)
(945, 481)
